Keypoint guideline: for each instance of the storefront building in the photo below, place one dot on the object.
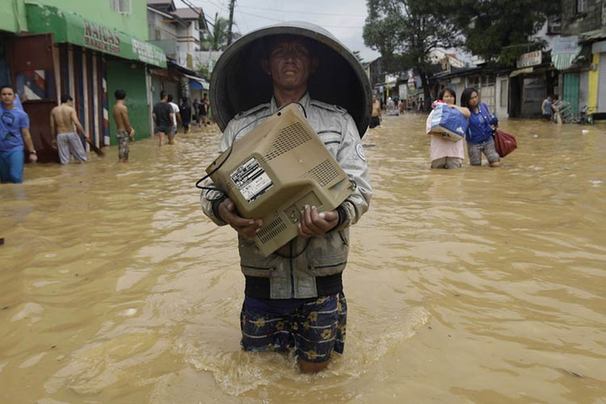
(55, 51)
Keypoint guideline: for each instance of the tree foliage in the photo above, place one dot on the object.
(216, 39)
(501, 30)
(405, 32)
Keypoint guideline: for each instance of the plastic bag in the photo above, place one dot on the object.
(448, 122)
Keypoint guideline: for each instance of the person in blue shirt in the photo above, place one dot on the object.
(482, 124)
(546, 108)
(14, 135)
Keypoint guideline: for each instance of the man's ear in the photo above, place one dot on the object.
(265, 66)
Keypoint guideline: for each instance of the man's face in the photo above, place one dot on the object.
(290, 64)
(7, 95)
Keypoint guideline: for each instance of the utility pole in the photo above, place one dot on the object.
(231, 20)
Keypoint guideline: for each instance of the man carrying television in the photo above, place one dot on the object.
(294, 297)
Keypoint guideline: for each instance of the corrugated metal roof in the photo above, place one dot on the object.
(592, 35)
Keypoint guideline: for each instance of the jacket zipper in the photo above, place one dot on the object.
(292, 274)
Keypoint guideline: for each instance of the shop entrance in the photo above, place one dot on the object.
(33, 75)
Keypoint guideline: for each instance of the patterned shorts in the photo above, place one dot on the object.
(314, 328)
(123, 141)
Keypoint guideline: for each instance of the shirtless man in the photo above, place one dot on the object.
(67, 141)
(126, 132)
(375, 116)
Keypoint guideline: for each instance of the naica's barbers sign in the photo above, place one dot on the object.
(102, 38)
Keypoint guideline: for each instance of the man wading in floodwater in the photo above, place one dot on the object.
(294, 297)
(63, 120)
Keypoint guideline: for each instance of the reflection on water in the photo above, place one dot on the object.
(476, 284)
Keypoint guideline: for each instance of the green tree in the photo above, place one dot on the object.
(216, 39)
(406, 32)
(203, 71)
(501, 30)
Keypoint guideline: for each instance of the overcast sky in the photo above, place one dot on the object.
(343, 18)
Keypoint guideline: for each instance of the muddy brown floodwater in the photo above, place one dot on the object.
(470, 285)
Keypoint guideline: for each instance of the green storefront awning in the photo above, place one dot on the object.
(562, 61)
(73, 28)
(564, 51)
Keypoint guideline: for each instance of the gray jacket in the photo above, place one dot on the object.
(312, 267)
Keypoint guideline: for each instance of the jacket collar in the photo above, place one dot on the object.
(305, 101)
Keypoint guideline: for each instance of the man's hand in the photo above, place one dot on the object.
(314, 223)
(131, 135)
(33, 157)
(245, 227)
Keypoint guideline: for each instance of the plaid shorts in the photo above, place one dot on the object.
(313, 327)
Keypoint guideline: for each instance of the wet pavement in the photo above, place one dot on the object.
(479, 284)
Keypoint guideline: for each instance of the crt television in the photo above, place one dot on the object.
(277, 169)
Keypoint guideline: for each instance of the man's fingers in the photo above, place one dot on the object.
(316, 223)
(246, 227)
(329, 216)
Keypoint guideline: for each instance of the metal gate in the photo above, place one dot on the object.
(571, 91)
(533, 93)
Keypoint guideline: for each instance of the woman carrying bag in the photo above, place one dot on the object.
(482, 124)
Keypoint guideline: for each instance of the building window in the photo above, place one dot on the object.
(554, 25)
(581, 6)
(121, 6)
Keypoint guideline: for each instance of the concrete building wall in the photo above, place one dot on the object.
(583, 90)
(134, 23)
(159, 29)
(575, 22)
(502, 96)
(602, 85)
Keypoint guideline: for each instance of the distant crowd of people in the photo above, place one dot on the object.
(69, 136)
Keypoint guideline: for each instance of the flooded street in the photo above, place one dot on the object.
(470, 285)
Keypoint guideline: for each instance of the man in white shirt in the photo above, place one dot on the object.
(176, 119)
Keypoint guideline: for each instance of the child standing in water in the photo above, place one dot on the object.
(445, 153)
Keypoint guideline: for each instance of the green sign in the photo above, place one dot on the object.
(72, 28)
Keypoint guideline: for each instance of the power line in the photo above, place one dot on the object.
(261, 16)
(283, 20)
(302, 12)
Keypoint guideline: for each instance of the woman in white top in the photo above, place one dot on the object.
(445, 153)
